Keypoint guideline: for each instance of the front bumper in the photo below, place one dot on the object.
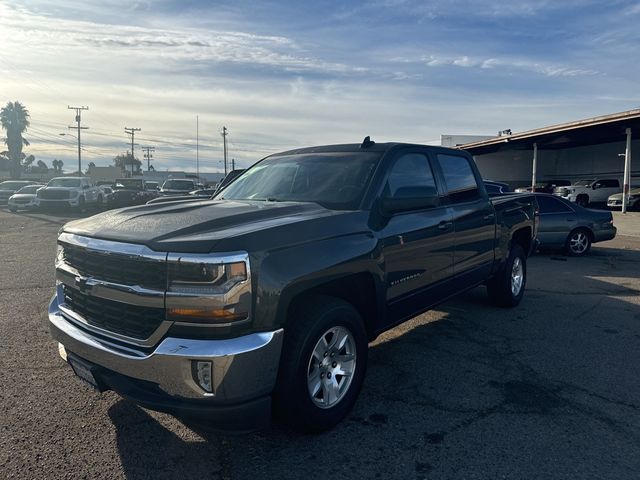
(244, 371)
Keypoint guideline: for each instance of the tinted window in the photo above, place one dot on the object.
(552, 205)
(609, 183)
(411, 176)
(333, 179)
(460, 182)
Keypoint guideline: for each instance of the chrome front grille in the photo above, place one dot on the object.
(113, 289)
(116, 317)
(47, 194)
(116, 268)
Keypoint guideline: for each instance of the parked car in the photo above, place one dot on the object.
(545, 187)
(569, 226)
(496, 188)
(152, 185)
(633, 200)
(10, 187)
(24, 199)
(177, 186)
(272, 290)
(130, 191)
(584, 192)
(69, 192)
(107, 191)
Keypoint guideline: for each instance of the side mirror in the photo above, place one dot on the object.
(596, 186)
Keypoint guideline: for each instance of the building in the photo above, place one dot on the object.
(589, 148)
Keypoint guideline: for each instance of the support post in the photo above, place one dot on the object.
(534, 168)
(627, 172)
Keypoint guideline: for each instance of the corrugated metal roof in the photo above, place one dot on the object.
(557, 129)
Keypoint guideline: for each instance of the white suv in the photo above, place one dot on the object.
(584, 192)
(78, 192)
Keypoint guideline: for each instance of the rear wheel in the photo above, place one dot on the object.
(323, 364)
(578, 242)
(506, 289)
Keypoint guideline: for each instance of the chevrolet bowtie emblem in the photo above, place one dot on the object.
(81, 284)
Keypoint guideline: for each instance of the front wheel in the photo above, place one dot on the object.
(323, 364)
(81, 204)
(506, 289)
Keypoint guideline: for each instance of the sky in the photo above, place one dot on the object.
(282, 75)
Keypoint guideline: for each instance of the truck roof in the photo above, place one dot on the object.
(357, 147)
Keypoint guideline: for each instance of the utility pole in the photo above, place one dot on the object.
(225, 132)
(148, 155)
(78, 120)
(132, 132)
(198, 147)
(233, 164)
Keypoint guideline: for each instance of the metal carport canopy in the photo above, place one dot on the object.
(591, 131)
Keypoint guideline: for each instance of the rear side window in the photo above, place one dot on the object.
(411, 177)
(552, 205)
(461, 185)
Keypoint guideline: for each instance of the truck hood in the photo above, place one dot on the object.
(199, 226)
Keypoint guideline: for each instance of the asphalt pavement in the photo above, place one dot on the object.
(549, 390)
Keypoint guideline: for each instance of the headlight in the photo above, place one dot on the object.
(208, 289)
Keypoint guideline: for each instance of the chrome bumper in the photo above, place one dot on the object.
(244, 368)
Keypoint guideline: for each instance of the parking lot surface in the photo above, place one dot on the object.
(550, 389)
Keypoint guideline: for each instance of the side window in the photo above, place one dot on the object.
(551, 205)
(461, 185)
(609, 183)
(411, 177)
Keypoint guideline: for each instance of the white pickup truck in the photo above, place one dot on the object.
(70, 192)
(584, 192)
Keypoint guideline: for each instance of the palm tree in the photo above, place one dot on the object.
(15, 120)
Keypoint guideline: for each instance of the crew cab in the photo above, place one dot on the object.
(70, 192)
(269, 293)
(584, 192)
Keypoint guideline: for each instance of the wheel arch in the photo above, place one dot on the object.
(358, 289)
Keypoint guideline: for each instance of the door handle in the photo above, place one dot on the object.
(444, 225)
(489, 216)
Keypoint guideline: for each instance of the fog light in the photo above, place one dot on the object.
(203, 375)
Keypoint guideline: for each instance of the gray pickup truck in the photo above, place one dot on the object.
(263, 299)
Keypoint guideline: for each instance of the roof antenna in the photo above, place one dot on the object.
(367, 142)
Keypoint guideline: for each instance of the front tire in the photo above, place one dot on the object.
(81, 204)
(578, 243)
(582, 200)
(323, 364)
(506, 289)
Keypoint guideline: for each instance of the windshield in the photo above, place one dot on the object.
(30, 190)
(334, 180)
(129, 183)
(64, 182)
(11, 185)
(186, 185)
(583, 183)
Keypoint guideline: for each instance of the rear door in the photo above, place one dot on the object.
(557, 218)
(417, 245)
(473, 219)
